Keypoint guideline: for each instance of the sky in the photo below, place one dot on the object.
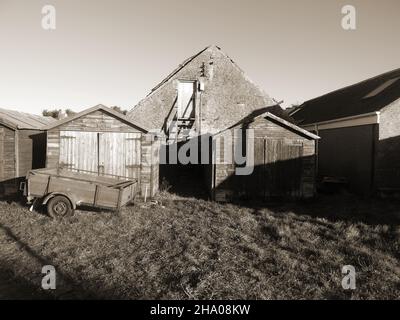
(114, 51)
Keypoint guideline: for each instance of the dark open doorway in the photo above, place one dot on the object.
(186, 180)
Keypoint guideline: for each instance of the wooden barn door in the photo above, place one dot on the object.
(132, 155)
(255, 183)
(110, 153)
(119, 154)
(283, 168)
(79, 151)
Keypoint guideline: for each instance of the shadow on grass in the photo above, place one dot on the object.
(344, 207)
(13, 287)
(333, 207)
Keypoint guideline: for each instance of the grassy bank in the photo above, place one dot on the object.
(195, 249)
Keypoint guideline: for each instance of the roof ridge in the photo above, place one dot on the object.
(190, 59)
(171, 74)
(180, 67)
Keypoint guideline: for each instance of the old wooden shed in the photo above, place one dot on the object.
(22, 146)
(280, 156)
(103, 141)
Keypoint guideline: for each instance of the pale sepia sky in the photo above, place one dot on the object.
(114, 51)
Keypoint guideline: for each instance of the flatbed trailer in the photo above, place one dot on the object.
(63, 190)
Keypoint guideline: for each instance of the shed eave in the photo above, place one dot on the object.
(8, 125)
(282, 122)
(352, 121)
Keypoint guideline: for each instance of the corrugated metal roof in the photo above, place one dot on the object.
(22, 120)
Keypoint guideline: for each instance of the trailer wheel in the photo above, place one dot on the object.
(59, 207)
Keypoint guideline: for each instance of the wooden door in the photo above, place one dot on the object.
(132, 155)
(109, 153)
(119, 154)
(79, 151)
(255, 183)
(283, 168)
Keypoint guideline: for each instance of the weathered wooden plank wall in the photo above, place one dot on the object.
(146, 166)
(53, 148)
(9, 154)
(103, 144)
(284, 164)
(79, 150)
(98, 121)
(283, 168)
(20, 151)
(132, 150)
(31, 152)
(155, 168)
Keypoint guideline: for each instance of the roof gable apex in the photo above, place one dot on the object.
(99, 107)
(283, 122)
(211, 49)
(227, 94)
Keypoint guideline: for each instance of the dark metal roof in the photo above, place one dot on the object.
(22, 120)
(364, 97)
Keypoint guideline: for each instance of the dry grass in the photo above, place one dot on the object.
(194, 249)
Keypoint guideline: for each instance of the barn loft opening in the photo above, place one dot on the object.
(186, 100)
(183, 118)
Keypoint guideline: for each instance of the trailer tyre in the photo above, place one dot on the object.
(59, 207)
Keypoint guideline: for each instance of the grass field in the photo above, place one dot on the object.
(195, 249)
